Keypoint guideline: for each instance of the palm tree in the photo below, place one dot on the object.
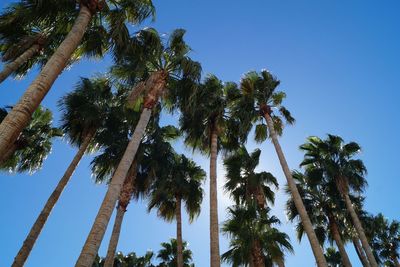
(335, 160)
(325, 210)
(384, 237)
(180, 182)
(168, 254)
(92, 14)
(84, 110)
(205, 125)
(33, 145)
(333, 257)
(244, 184)
(260, 101)
(167, 63)
(139, 177)
(254, 240)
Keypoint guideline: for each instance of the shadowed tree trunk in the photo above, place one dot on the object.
(258, 255)
(305, 219)
(179, 241)
(22, 112)
(214, 228)
(360, 252)
(124, 199)
(10, 152)
(338, 240)
(37, 227)
(156, 83)
(360, 231)
(18, 62)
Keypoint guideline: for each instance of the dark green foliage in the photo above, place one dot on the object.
(33, 144)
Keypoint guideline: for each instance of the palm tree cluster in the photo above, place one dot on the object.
(117, 117)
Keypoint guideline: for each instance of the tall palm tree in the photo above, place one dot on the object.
(87, 17)
(84, 111)
(335, 160)
(261, 102)
(168, 254)
(167, 64)
(205, 125)
(325, 210)
(243, 183)
(33, 145)
(254, 239)
(180, 182)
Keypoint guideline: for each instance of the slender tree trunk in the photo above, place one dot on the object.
(360, 252)
(338, 240)
(124, 199)
(99, 227)
(10, 152)
(360, 231)
(18, 62)
(214, 228)
(112, 247)
(37, 227)
(179, 241)
(305, 219)
(20, 115)
(258, 255)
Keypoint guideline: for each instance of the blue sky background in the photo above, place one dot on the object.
(339, 64)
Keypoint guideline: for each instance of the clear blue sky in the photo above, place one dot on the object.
(339, 62)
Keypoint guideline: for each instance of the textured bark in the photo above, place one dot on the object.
(258, 255)
(360, 252)
(215, 260)
(124, 199)
(109, 261)
(338, 240)
(37, 227)
(305, 219)
(179, 241)
(22, 112)
(18, 62)
(93, 241)
(360, 231)
(10, 152)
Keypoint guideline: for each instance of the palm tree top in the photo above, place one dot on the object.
(335, 158)
(86, 109)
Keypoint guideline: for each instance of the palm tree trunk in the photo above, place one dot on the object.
(258, 255)
(19, 61)
(112, 247)
(99, 227)
(338, 240)
(124, 199)
(37, 227)
(360, 252)
(214, 228)
(360, 231)
(179, 242)
(10, 152)
(305, 219)
(21, 113)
